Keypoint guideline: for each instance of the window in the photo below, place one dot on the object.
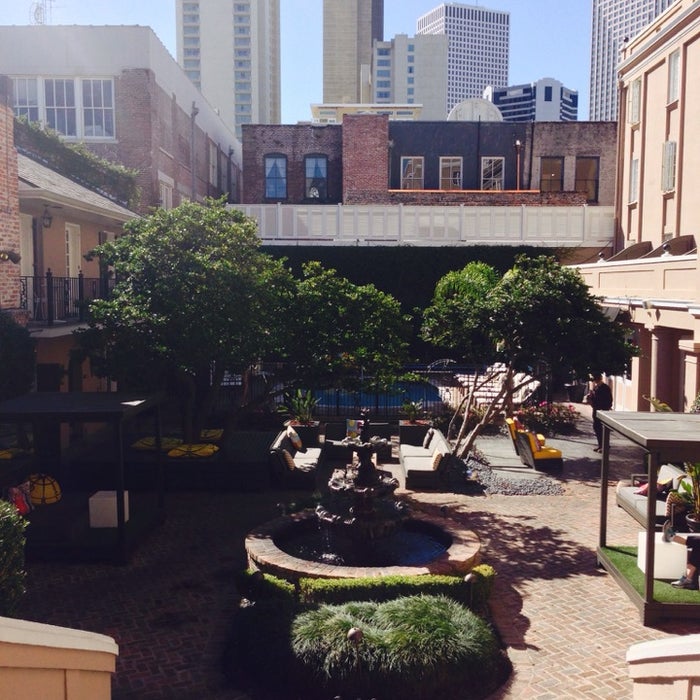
(411, 172)
(492, 173)
(634, 181)
(551, 174)
(316, 182)
(633, 103)
(98, 108)
(668, 167)
(587, 177)
(450, 173)
(166, 195)
(59, 98)
(275, 177)
(547, 93)
(674, 62)
(26, 97)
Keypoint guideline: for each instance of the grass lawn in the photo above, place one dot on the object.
(625, 560)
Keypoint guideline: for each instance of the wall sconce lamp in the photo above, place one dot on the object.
(10, 255)
(46, 218)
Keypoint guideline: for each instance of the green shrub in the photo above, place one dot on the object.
(258, 586)
(550, 419)
(316, 591)
(483, 577)
(12, 572)
(17, 367)
(418, 647)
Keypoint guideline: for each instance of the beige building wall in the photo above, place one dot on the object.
(654, 277)
(349, 28)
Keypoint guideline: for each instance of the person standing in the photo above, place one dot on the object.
(599, 399)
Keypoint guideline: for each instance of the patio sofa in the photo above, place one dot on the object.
(292, 464)
(423, 466)
(631, 495)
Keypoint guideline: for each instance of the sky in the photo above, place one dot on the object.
(548, 38)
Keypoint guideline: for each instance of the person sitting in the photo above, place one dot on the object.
(689, 579)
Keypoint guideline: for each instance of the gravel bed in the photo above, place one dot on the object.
(494, 483)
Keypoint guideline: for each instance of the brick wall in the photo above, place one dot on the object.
(295, 142)
(9, 200)
(472, 198)
(365, 157)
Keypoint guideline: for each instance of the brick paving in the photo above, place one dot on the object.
(565, 623)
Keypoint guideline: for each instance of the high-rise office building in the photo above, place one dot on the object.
(546, 100)
(412, 70)
(614, 22)
(349, 30)
(231, 51)
(477, 54)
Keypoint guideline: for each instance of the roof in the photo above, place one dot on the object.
(36, 181)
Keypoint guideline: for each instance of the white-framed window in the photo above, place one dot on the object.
(674, 64)
(450, 173)
(275, 177)
(633, 181)
(492, 173)
(668, 167)
(73, 107)
(316, 177)
(165, 193)
(412, 172)
(634, 101)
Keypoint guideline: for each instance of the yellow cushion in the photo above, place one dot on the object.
(437, 458)
(202, 449)
(149, 443)
(211, 434)
(11, 452)
(289, 460)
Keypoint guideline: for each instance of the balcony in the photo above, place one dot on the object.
(50, 300)
(461, 225)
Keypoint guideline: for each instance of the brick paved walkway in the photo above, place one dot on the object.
(566, 624)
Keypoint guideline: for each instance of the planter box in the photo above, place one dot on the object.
(412, 433)
(669, 557)
(103, 508)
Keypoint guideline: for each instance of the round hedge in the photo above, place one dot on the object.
(419, 648)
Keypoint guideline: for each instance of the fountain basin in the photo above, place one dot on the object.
(460, 555)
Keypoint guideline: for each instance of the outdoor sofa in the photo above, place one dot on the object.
(292, 464)
(632, 495)
(423, 466)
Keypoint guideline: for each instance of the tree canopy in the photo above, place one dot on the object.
(539, 318)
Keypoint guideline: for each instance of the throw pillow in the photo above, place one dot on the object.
(437, 458)
(203, 449)
(295, 439)
(289, 460)
(428, 437)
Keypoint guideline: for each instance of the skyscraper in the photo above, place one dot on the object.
(545, 100)
(231, 52)
(614, 22)
(477, 55)
(412, 70)
(349, 29)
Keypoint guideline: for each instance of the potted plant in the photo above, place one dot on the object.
(299, 408)
(412, 409)
(689, 490)
(413, 428)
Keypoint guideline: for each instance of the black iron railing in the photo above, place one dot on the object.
(49, 299)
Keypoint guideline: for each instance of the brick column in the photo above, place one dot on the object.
(365, 158)
(9, 200)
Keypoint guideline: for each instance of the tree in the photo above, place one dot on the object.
(18, 362)
(194, 298)
(345, 331)
(539, 319)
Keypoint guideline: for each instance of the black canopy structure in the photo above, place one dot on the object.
(46, 410)
(666, 437)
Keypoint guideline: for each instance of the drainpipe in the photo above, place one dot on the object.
(193, 115)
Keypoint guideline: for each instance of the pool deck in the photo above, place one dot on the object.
(565, 623)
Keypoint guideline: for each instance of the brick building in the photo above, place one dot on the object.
(117, 90)
(369, 159)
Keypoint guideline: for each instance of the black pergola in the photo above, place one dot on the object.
(666, 437)
(47, 410)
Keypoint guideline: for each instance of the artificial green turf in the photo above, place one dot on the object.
(625, 561)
